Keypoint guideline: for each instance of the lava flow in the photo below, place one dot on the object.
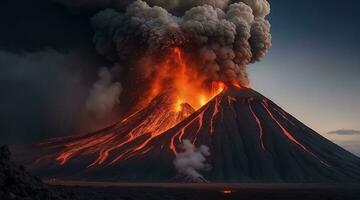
(184, 77)
(240, 127)
(177, 92)
(181, 106)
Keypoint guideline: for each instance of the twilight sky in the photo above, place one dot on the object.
(312, 70)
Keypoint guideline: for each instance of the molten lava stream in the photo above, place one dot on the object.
(216, 110)
(288, 135)
(176, 93)
(283, 116)
(261, 134)
(172, 145)
(77, 146)
(199, 117)
(104, 153)
(188, 89)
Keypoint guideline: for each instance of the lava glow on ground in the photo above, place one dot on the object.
(227, 191)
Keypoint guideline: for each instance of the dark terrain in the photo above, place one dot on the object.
(216, 192)
(16, 183)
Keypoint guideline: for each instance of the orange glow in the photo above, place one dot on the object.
(227, 191)
(216, 110)
(177, 90)
(202, 100)
(178, 105)
(257, 120)
(288, 134)
(237, 85)
(188, 85)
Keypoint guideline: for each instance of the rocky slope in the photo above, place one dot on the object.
(249, 137)
(16, 183)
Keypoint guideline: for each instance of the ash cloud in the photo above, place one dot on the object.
(192, 160)
(345, 132)
(226, 35)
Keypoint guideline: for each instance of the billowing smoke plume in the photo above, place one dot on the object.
(225, 34)
(104, 95)
(192, 160)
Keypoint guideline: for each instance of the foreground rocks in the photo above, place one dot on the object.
(190, 191)
(16, 183)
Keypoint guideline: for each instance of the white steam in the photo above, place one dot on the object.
(192, 160)
(104, 95)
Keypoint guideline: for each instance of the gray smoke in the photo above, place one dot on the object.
(104, 95)
(192, 160)
(226, 35)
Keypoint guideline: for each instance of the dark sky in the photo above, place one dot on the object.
(312, 69)
(47, 64)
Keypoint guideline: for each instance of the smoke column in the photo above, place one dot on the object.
(224, 35)
(191, 48)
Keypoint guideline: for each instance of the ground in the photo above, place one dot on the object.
(170, 191)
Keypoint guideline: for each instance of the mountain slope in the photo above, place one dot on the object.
(250, 138)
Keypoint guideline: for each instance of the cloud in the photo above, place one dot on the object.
(345, 132)
(192, 160)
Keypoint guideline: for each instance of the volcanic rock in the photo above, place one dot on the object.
(250, 138)
(18, 184)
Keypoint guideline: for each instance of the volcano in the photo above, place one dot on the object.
(250, 138)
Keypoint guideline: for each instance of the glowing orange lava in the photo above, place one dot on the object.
(238, 85)
(288, 135)
(177, 91)
(188, 85)
(261, 134)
